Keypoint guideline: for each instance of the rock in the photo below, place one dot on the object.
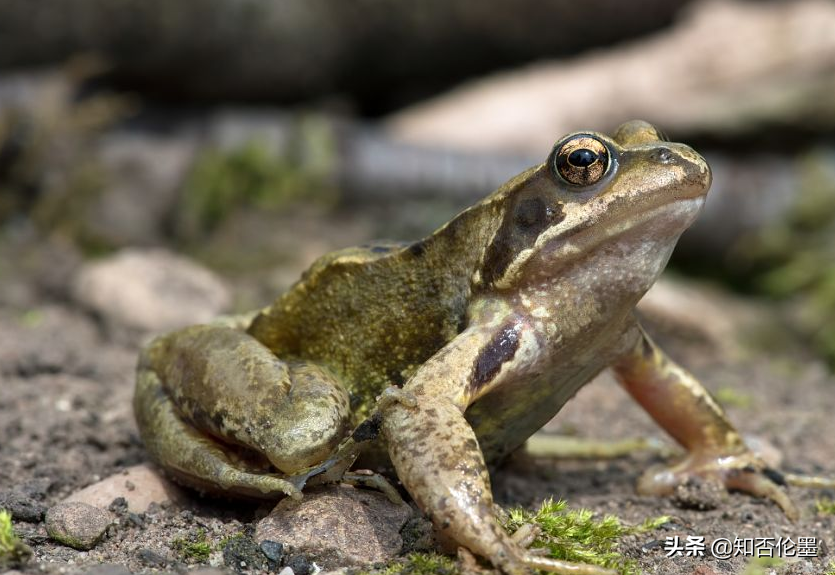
(22, 506)
(273, 550)
(338, 526)
(150, 290)
(730, 87)
(77, 525)
(300, 565)
(140, 486)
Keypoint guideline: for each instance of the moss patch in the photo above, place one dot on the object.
(568, 534)
(761, 565)
(195, 548)
(825, 506)
(732, 397)
(255, 175)
(575, 535)
(13, 551)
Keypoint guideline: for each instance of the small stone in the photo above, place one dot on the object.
(273, 550)
(77, 525)
(299, 564)
(149, 486)
(119, 506)
(150, 290)
(338, 525)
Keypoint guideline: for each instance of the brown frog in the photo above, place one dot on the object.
(455, 349)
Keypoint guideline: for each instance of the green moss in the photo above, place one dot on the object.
(575, 535)
(193, 549)
(418, 564)
(256, 176)
(572, 535)
(794, 258)
(825, 506)
(731, 397)
(830, 569)
(13, 551)
(761, 565)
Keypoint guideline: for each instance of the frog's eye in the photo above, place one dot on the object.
(582, 160)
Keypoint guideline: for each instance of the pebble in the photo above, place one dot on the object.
(77, 524)
(150, 290)
(338, 525)
(140, 486)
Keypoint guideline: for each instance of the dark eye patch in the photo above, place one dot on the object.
(531, 212)
(528, 218)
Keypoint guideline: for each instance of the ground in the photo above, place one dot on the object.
(66, 379)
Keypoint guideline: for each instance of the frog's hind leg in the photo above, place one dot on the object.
(207, 392)
(191, 457)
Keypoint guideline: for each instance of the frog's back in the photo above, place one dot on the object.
(374, 313)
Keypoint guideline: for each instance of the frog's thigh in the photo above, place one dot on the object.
(191, 456)
(226, 384)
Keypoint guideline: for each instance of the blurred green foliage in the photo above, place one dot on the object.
(256, 176)
(794, 259)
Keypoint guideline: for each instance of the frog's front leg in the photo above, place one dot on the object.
(687, 411)
(438, 459)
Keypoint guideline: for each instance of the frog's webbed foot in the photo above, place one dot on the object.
(688, 412)
(741, 472)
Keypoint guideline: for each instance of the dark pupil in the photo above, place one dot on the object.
(582, 158)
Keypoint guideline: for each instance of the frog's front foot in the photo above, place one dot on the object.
(395, 395)
(741, 472)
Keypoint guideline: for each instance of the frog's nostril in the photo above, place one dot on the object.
(663, 156)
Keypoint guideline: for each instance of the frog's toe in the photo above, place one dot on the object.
(741, 472)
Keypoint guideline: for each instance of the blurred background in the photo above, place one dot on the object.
(212, 149)
(165, 162)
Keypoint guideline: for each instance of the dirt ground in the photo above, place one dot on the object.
(66, 383)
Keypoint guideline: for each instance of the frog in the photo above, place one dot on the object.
(444, 355)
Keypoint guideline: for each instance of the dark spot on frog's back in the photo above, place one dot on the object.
(417, 249)
(501, 349)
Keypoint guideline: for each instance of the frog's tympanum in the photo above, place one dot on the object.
(449, 352)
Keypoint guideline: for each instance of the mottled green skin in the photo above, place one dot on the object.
(459, 346)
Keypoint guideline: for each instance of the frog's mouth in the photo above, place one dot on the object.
(663, 220)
